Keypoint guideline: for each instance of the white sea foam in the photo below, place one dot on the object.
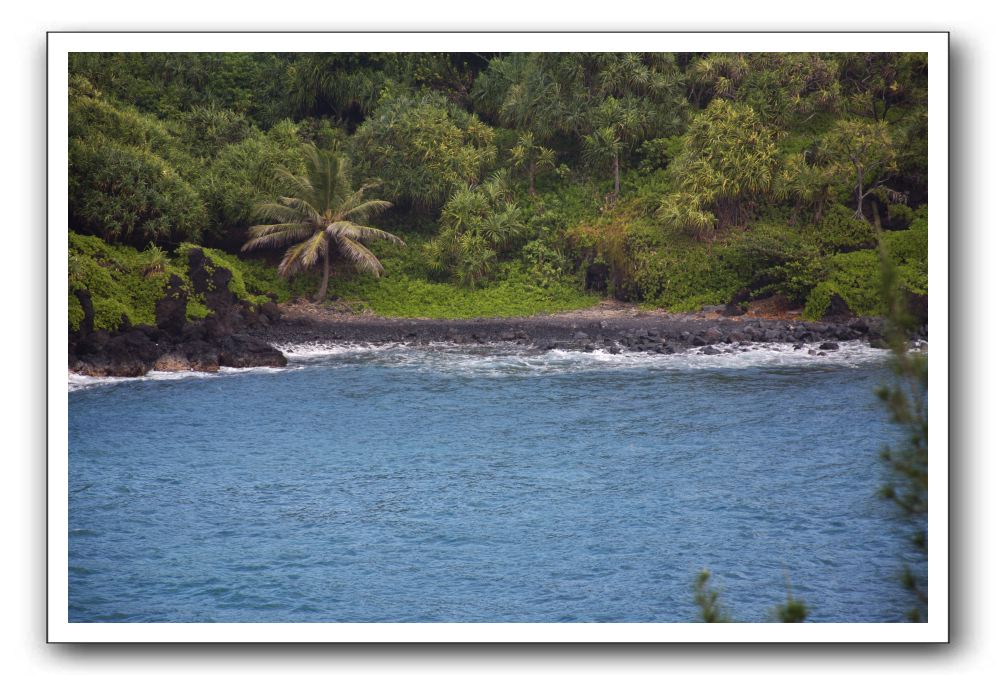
(498, 360)
(78, 382)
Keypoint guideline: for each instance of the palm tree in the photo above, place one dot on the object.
(321, 214)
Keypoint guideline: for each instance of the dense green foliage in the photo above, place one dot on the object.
(518, 294)
(727, 163)
(522, 182)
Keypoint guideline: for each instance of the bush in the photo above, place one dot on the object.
(771, 259)
(842, 231)
(127, 173)
(123, 283)
(658, 152)
(683, 276)
(856, 276)
(900, 216)
(545, 265)
(208, 129)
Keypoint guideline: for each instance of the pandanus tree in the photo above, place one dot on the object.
(479, 223)
(532, 157)
(321, 215)
(618, 126)
(728, 163)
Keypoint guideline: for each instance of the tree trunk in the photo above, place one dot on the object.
(615, 169)
(532, 179)
(320, 296)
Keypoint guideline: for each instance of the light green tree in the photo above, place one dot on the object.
(424, 148)
(728, 162)
(320, 215)
(618, 125)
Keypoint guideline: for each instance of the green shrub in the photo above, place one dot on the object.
(856, 276)
(683, 276)
(546, 265)
(118, 281)
(909, 249)
(657, 153)
(900, 216)
(208, 129)
(770, 259)
(841, 231)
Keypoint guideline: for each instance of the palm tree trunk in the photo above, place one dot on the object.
(320, 296)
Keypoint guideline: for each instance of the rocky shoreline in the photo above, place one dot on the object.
(175, 344)
(613, 331)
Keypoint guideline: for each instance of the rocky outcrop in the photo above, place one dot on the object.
(175, 344)
(838, 310)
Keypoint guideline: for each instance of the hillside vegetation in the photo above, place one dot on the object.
(519, 183)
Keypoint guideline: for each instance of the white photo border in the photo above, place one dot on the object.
(61, 44)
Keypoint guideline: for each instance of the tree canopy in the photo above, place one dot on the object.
(671, 179)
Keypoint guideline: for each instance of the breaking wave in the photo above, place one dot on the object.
(497, 360)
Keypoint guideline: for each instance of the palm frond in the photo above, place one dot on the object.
(291, 262)
(281, 213)
(313, 249)
(344, 228)
(297, 185)
(366, 209)
(277, 235)
(355, 198)
(360, 255)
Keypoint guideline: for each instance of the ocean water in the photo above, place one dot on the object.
(367, 484)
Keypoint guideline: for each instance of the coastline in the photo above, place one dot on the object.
(256, 341)
(611, 326)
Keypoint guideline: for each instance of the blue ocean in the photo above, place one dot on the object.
(447, 484)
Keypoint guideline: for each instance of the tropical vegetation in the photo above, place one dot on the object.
(520, 182)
